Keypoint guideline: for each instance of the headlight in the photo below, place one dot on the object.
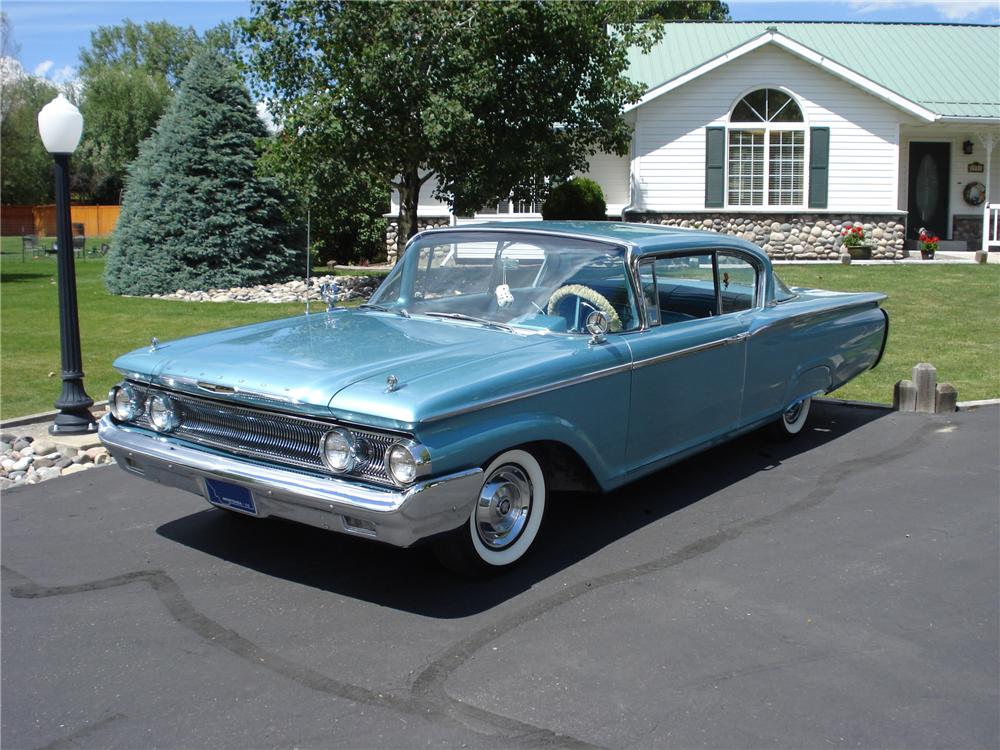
(406, 461)
(123, 402)
(338, 449)
(163, 414)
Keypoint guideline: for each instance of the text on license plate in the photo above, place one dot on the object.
(232, 496)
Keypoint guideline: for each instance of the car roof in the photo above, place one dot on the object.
(642, 238)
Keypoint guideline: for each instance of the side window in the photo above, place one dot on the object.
(647, 283)
(737, 283)
(685, 287)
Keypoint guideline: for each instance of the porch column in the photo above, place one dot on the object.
(987, 139)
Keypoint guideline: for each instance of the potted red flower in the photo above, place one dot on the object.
(928, 244)
(853, 241)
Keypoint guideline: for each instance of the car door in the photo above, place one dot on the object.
(689, 363)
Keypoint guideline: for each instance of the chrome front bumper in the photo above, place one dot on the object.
(400, 517)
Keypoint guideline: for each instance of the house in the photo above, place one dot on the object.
(784, 133)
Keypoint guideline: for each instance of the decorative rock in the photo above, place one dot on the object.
(62, 463)
(845, 259)
(48, 472)
(5, 447)
(43, 447)
(5, 483)
(7, 437)
(83, 458)
(21, 464)
(23, 442)
(43, 463)
(17, 475)
(29, 451)
(68, 451)
(74, 469)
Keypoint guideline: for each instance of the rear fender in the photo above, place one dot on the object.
(808, 383)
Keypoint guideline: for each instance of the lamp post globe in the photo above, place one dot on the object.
(60, 125)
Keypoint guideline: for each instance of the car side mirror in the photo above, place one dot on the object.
(597, 326)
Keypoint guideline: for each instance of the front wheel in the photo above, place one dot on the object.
(504, 522)
(792, 420)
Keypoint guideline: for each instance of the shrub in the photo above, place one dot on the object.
(196, 215)
(579, 198)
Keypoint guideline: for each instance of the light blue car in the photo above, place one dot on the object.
(497, 363)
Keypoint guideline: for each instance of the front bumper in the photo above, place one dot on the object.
(399, 517)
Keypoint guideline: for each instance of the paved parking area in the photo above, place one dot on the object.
(839, 591)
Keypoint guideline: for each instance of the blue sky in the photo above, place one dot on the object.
(51, 32)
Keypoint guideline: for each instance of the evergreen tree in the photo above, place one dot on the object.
(195, 214)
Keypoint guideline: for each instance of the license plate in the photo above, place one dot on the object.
(231, 496)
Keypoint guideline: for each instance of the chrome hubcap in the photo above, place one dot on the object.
(793, 413)
(503, 507)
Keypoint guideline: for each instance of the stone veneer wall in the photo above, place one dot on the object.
(392, 233)
(794, 236)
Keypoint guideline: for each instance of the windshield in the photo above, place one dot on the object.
(541, 282)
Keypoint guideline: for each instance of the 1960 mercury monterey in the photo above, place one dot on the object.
(495, 364)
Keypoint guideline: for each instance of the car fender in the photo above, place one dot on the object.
(807, 383)
(469, 443)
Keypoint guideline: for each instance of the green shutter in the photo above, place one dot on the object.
(715, 167)
(819, 166)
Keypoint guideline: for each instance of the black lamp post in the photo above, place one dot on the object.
(61, 125)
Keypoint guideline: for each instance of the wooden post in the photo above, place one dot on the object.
(904, 396)
(946, 398)
(925, 379)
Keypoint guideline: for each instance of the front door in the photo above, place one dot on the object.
(928, 188)
(687, 377)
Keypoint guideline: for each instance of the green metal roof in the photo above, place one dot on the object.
(952, 70)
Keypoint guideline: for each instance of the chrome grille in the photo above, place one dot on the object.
(266, 435)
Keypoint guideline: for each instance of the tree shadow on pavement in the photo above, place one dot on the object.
(577, 526)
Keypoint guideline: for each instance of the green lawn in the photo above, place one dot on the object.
(947, 315)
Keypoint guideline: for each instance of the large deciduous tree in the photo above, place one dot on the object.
(195, 213)
(25, 165)
(478, 96)
(128, 75)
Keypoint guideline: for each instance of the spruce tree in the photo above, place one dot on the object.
(195, 214)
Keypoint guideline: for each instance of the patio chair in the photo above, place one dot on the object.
(80, 246)
(30, 244)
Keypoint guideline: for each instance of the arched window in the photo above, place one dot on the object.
(766, 148)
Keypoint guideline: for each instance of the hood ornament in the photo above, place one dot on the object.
(391, 384)
(154, 344)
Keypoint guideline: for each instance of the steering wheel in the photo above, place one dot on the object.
(593, 299)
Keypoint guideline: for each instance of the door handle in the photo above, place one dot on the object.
(738, 338)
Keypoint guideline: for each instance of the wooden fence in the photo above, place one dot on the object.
(98, 221)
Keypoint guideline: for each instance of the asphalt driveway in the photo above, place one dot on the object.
(838, 591)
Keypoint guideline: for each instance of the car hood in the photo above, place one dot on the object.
(307, 361)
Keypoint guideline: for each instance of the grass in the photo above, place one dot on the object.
(946, 315)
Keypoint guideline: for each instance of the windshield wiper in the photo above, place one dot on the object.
(471, 319)
(400, 311)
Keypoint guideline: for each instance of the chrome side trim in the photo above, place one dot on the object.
(686, 352)
(536, 391)
(569, 382)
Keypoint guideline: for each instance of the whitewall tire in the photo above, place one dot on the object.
(793, 419)
(505, 520)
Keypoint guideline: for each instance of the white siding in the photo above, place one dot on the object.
(427, 205)
(670, 133)
(611, 173)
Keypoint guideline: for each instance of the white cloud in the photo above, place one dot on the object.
(951, 10)
(64, 75)
(266, 117)
(43, 67)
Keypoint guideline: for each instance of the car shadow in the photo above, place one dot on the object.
(412, 580)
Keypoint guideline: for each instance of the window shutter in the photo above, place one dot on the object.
(819, 166)
(715, 167)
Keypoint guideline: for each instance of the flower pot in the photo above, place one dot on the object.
(860, 252)
(927, 254)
